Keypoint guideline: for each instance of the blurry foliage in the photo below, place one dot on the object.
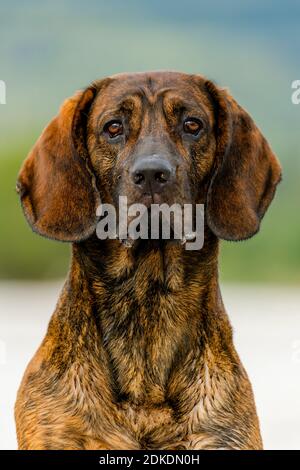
(272, 255)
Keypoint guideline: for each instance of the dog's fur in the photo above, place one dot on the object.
(139, 351)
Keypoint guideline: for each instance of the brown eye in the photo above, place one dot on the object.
(113, 128)
(192, 126)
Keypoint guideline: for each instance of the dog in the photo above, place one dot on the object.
(139, 351)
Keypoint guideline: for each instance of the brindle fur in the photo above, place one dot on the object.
(139, 351)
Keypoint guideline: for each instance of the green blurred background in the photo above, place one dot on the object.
(49, 49)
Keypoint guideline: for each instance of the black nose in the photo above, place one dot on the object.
(152, 173)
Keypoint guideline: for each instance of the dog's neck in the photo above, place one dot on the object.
(154, 307)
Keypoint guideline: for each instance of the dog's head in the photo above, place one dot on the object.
(161, 137)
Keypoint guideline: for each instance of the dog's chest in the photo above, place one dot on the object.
(180, 424)
(144, 344)
(147, 326)
(156, 369)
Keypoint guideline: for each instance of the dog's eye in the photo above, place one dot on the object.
(113, 128)
(192, 126)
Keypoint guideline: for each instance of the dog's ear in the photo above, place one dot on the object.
(246, 171)
(57, 188)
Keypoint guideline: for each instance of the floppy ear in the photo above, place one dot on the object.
(246, 172)
(57, 189)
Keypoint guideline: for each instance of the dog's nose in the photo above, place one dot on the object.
(152, 173)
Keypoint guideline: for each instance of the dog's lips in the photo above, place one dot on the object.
(154, 198)
(148, 199)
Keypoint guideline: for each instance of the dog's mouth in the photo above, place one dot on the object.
(151, 198)
(152, 213)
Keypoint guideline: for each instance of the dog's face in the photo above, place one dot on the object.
(160, 137)
(152, 138)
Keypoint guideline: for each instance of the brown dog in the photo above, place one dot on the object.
(139, 351)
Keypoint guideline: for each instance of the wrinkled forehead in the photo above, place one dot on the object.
(157, 89)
